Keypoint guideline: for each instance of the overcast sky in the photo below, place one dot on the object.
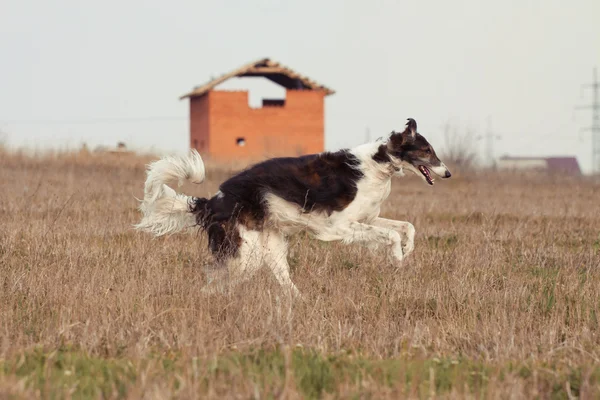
(107, 71)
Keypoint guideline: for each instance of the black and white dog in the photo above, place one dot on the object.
(331, 195)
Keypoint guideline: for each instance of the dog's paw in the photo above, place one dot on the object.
(407, 249)
(396, 256)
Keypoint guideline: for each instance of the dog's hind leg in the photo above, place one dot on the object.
(276, 251)
(250, 258)
(405, 229)
(234, 270)
(216, 277)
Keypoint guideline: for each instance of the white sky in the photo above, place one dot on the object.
(522, 63)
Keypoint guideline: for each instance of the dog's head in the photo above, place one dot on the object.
(410, 151)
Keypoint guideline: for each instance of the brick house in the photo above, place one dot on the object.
(556, 165)
(223, 126)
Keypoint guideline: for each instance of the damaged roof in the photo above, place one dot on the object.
(266, 68)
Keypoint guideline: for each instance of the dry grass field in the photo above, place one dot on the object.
(501, 298)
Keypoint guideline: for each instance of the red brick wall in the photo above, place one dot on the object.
(199, 117)
(294, 129)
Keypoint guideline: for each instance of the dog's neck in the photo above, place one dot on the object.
(382, 171)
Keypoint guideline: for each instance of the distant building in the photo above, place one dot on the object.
(224, 126)
(563, 165)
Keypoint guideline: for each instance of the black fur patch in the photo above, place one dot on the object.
(223, 236)
(319, 182)
(382, 155)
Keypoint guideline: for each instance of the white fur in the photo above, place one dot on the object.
(164, 211)
(441, 170)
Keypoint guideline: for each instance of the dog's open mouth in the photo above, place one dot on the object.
(425, 171)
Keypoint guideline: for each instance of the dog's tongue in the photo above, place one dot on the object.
(425, 171)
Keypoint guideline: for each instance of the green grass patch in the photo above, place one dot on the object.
(313, 374)
(63, 371)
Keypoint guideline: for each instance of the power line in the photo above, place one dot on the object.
(109, 120)
(490, 139)
(595, 127)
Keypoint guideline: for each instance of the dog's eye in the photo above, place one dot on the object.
(428, 151)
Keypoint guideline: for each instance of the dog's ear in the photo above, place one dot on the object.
(397, 139)
(409, 134)
(411, 128)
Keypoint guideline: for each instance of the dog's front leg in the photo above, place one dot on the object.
(353, 232)
(405, 229)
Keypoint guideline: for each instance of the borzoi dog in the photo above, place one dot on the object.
(330, 195)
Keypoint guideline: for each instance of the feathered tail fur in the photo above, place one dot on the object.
(163, 210)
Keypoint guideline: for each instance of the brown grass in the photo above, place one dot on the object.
(501, 297)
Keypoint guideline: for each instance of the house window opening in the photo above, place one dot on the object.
(241, 142)
(273, 102)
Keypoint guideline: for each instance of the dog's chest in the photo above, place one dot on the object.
(369, 197)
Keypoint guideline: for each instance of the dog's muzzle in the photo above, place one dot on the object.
(441, 171)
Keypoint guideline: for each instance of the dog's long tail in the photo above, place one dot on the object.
(163, 210)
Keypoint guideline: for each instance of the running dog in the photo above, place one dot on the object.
(330, 195)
